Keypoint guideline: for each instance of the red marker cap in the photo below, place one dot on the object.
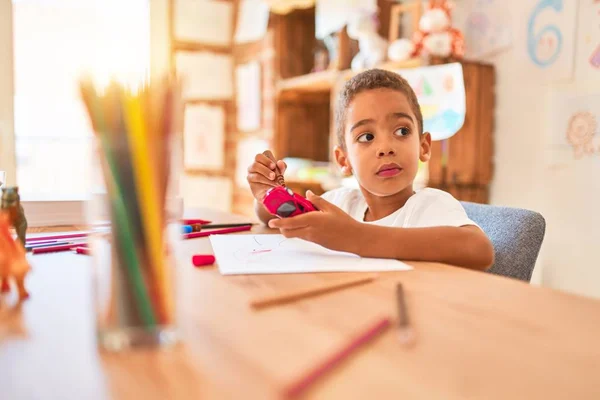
(200, 260)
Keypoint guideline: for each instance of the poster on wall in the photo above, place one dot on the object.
(203, 137)
(206, 192)
(333, 15)
(546, 38)
(248, 96)
(588, 42)
(205, 75)
(487, 27)
(252, 21)
(207, 22)
(441, 93)
(574, 126)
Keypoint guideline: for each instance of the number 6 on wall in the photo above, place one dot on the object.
(534, 39)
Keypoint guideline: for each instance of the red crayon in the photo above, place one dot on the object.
(200, 260)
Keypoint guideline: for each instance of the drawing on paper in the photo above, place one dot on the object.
(580, 133)
(487, 26)
(441, 93)
(259, 248)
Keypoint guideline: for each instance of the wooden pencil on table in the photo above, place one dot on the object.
(406, 334)
(301, 385)
(308, 292)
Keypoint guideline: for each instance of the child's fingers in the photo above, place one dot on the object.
(264, 160)
(318, 201)
(294, 233)
(262, 170)
(255, 178)
(297, 222)
(282, 166)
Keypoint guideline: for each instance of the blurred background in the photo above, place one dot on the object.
(517, 123)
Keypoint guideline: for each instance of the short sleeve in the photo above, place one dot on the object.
(337, 197)
(438, 208)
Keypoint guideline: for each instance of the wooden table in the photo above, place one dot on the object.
(479, 336)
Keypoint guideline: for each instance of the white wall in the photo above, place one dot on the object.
(568, 195)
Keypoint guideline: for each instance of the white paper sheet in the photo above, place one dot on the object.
(203, 137)
(248, 96)
(203, 21)
(253, 20)
(274, 254)
(205, 75)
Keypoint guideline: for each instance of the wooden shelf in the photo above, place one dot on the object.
(180, 45)
(390, 65)
(323, 81)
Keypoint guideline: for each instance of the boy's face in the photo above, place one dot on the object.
(383, 143)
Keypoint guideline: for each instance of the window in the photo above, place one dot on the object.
(55, 42)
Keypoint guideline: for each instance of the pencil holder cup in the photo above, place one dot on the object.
(134, 231)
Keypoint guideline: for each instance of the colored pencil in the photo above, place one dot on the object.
(406, 334)
(133, 128)
(123, 235)
(42, 242)
(300, 386)
(216, 232)
(215, 226)
(146, 181)
(300, 294)
(54, 249)
(30, 247)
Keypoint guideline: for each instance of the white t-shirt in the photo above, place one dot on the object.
(426, 208)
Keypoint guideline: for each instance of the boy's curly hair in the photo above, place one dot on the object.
(369, 80)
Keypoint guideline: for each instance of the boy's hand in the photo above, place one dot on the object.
(261, 175)
(330, 227)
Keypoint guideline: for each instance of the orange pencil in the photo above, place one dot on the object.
(308, 292)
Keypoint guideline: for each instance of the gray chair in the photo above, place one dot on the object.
(516, 234)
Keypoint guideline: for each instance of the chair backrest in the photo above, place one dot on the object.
(516, 234)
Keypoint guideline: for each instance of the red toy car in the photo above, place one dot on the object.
(282, 202)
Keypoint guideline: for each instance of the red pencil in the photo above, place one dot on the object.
(216, 232)
(52, 249)
(297, 388)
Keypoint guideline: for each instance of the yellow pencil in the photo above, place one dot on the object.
(147, 188)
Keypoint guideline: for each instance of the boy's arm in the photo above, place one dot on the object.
(465, 246)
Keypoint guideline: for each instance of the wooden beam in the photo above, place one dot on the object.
(180, 45)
